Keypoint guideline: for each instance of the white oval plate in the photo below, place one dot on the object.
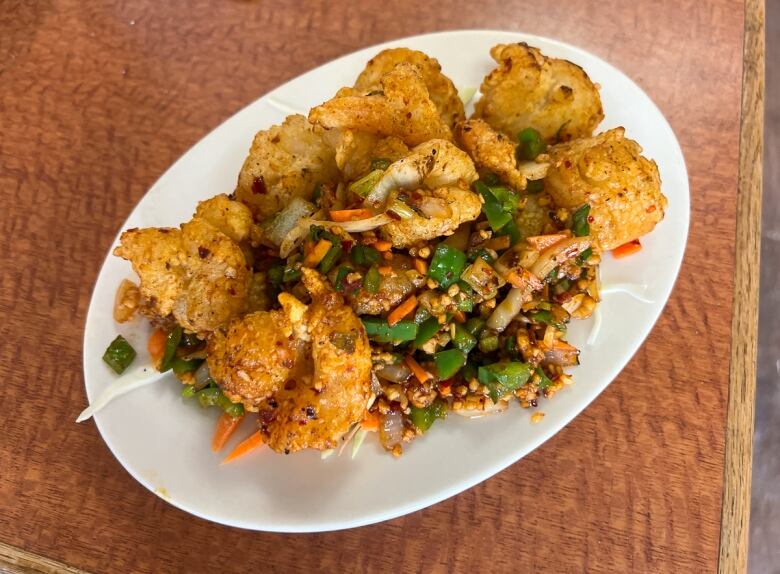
(164, 441)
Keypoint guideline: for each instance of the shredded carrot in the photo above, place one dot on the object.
(421, 266)
(370, 421)
(402, 310)
(381, 245)
(387, 255)
(459, 317)
(627, 249)
(499, 242)
(542, 242)
(385, 270)
(245, 447)
(349, 214)
(421, 374)
(156, 345)
(317, 253)
(226, 426)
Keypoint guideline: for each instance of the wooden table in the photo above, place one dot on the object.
(98, 98)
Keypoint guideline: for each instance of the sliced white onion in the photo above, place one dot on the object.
(359, 438)
(466, 93)
(399, 373)
(559, 253)
(202, 376)
(595, 327)
(490, 409)
(293, 239)
(278, 228)
(139, 377)
(435, 207)
(359, 225)
(508, 309)
(326, 454)
(391, 429)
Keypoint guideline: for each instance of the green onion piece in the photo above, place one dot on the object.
(510, 343)
(446, 265)
(544, 380)
(291, 274)
(583, 257)
(341, 275)
(333, 254)
(463, 340)
(506, 197)
(534, 186)
(475, 325)
(276, 275)
(512, 231)
(235, 410)
(380, 163)
(493, 209)
(503, 377)
(372, 280)
(466, 305)
(530, 145)
(546, 317)
(119, 354)
(425, 331)
(488, 343)
(425, 417)
(365, 184)
(401, 209)
(209, 396)
(562, 286)
(580, 226)
(188, 391)
(171, 343)
(449, 362)
(378, 330)
(469, 372)
(365, 255)
(180, 366)
(478, 253)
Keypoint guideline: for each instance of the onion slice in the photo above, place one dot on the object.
(135, 379)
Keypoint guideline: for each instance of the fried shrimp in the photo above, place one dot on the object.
(197, 274)
(440, 88)
(608, 172)
(285, 161)
(528, 89)
(403, 108)
(495, 152)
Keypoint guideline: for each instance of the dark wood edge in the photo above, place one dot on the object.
(14, 560)
(735, 512)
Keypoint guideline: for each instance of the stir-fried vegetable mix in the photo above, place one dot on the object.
(385, 261)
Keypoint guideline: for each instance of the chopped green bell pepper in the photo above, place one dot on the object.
(119, 354)
(446, 265)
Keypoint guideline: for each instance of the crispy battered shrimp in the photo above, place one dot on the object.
(403, 109)
(608, 172)
(440, 88)
(528, 89)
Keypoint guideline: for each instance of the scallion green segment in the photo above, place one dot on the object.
(446, 265)
(583, 257)
(341, 275)
(529, 145)
(423, 418)
(333, 254)
(546, 317)
(365, 255)
(365, 184)
(503, 377)
(544, 380)
(180, 366)
(209, 396)
(188, 391)
(372, 280)
(449, 362)
(426, 330)
(475, 325)
(380, 331)
(171, 343)
(499, 206)
(119, 354)
(579, 221)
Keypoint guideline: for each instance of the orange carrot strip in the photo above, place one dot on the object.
(421, 266)
(370, 421)
(421, 374)
(317, 253)
(226, 426)
(349, 214)
(542, 242)
(381, 245)
(627, 249)
(402, 310)
(156, 345)
(385, 270)
(499, 242)
(245, 447)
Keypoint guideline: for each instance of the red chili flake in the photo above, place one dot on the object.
(347, 245)
(204, 252)
(258, 186)
(591, 219)
(290, 385)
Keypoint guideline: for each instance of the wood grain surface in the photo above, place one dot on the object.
(98, 98)
(744, 323)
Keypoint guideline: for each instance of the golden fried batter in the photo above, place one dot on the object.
(231, 217)
(403, 109)
(355, 150)
(444, 209)
(495, 152)
(440, 88)
(197, 274)
(608, 172)
(285, 161)
(528, 89)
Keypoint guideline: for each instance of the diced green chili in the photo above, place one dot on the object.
(583, 257)
(425, 331)
(365, 184)
(488, 343)
(119, 354)
(469, 371)
(380, 163)
(512, 231)
(180, 366)
(235, 410)
(475, 325)
(425, 417)
(449, 362)
(365, 255)
(341, 275)
(579, 221)
(188, 391)
(333, 254)
(544, 380)
(546, 317)
(446, 265)
(504, 377)
(463, 340)
(378, 330)
(530, 144)
(209, 396)
(466, 305)
(372, 279)
(492, 208)
(171, 343)
(291, 274)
